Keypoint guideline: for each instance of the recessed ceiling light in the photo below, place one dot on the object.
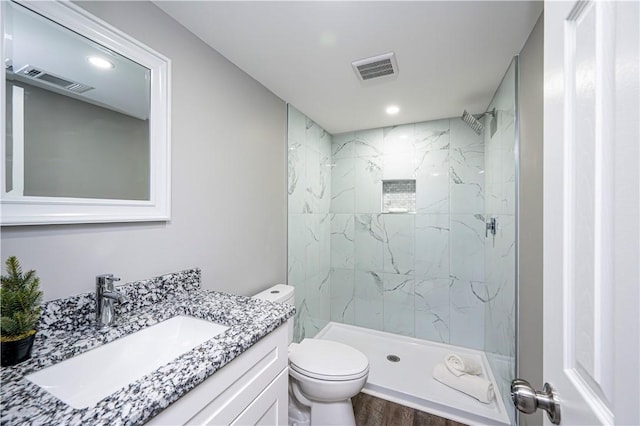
(392, 109)
(100, 62)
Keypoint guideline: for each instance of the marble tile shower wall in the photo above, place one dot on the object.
(500, 252)
(420, 274)
(309, 256)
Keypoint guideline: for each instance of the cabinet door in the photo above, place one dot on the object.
(270, 407)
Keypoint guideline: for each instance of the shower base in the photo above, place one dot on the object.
(408, 381)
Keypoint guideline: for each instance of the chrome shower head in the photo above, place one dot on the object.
(472, 122)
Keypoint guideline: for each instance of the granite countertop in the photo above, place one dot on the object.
(67, 329)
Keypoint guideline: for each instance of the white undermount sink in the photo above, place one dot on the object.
(87, 378)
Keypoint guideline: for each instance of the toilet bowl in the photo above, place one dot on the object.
(323, 375)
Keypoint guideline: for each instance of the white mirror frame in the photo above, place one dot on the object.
(52, 210)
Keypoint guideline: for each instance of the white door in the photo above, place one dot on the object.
(591, 210)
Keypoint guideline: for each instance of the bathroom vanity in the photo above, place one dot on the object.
(239, 376)
(251, 389)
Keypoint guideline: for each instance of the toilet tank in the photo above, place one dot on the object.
(280, 293)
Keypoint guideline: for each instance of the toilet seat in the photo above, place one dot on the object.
(328, 360)
(300, 373)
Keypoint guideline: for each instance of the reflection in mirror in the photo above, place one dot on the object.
(86, 125)
(77, 114)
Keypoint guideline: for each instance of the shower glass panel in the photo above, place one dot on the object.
(501, 179)
(309, 222)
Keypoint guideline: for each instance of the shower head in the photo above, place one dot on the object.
(474, 121)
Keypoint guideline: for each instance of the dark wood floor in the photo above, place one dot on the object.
(372, 411)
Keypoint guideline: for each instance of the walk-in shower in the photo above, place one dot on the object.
(425, 270)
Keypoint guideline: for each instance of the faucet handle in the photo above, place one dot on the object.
(105, 281)
(105, 278)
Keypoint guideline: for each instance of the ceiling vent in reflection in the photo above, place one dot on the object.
(376, 67)
(38, 74)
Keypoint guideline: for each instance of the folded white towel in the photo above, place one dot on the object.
(477, 387)
(398, 210)
(459, 365)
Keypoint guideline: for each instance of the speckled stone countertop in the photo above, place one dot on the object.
(67, 328)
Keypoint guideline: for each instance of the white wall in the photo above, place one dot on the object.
(228, 181)
(530, 237)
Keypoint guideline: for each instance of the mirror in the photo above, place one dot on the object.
(87, 116)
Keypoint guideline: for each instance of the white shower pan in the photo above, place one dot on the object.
(409, 381)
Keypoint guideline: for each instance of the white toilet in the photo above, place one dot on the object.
(323, 375)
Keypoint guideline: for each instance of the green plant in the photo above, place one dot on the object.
(20, 298)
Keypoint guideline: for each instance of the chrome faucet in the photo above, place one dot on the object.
(106, 297)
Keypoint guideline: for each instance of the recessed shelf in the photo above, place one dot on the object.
(399, 196)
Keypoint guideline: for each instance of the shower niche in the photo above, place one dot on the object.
(399, 196)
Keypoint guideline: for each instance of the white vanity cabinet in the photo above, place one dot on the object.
(251, 389)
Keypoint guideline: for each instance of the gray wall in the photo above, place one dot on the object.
(530, 238)
(228, 181)
(76, 149)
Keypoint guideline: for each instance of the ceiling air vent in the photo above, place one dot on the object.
(79, 88)
(33, 73)
(38, 74)
(376, 67)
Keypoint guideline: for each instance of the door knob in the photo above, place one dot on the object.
(528, 400)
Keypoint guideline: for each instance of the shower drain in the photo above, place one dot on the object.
(393, 358)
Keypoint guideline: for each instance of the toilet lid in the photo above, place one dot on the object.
(328, 360)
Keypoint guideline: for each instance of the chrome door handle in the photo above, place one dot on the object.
(528, 400)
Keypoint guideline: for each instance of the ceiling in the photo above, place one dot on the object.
(451, 55)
